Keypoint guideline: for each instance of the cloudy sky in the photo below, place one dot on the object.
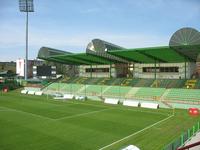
(71, 24)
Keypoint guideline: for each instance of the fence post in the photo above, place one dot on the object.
(189, 133)
(173, 146)
(182, 140)
(198, 126)
(193, 130)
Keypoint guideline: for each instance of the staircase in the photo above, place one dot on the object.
(132, 92)
(164, 95)
(106, 89)
(126, 82)
(167, 104)
(82, 89)
(156, 83)
(103, 82)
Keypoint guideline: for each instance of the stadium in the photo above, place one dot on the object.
(111, 98)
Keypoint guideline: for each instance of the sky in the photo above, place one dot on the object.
(71, 24)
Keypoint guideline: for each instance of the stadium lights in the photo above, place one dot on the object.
(26, 6)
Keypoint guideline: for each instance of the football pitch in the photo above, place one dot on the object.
(41, 123)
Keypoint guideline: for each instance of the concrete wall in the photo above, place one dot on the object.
(83, 73)
(190, 68)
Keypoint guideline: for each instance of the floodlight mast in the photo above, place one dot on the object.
(26, 6)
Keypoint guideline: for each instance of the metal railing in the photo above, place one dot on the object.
(177, 143)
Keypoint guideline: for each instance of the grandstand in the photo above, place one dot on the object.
(109, 70)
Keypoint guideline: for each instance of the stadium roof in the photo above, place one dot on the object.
(81, 59)
(184, 45)
(70, 58)
(141, 55)
(161, 54)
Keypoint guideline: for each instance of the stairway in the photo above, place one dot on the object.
(167, 104)
(132, 92)
(164, 95)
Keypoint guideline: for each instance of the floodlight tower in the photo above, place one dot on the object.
(26, 6)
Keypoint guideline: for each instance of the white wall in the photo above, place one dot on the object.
(20, 64)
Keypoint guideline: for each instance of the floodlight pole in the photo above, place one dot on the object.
(26, 6)
(26, 60)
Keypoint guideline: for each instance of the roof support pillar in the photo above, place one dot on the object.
(155, 69)
(185, 68)
(110, 70)
(90, 71)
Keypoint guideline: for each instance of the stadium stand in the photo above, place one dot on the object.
(94, 90)
(135, 82)
(65, 79)
(117, 91)
(91, 81)
(132, 92)
(151, 75)
(53, 86)
(81, 80)
(72, 80)
(117, 81)
(197, 86)
(176, 83)
(150, 93)
(168, 83)
(166, 98)
(126, 82)
(187, 95)
(144, 82)
(103, 81)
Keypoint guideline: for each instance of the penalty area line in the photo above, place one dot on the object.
(135, 133)
(83, 114)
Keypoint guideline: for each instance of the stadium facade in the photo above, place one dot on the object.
(178, 60)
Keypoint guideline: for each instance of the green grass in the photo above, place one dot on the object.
(38, 123)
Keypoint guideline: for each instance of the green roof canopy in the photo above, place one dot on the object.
(163, 54)
(70, 58)
(149, 55)
(81, 59)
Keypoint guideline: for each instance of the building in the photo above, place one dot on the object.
(5, 66)
(20, 66)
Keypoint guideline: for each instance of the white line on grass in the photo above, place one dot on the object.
(149, 112)
(135, 133)
(15, 110)
(100, 106)
(83, 114)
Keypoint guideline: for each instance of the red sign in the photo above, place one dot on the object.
(193, 111)
(5, 89)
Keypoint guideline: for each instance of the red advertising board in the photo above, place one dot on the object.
(193, 111)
